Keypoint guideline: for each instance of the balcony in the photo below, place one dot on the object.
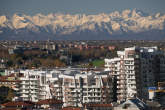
(122, 77)
(96, 91)
(24, 96)
(56, 85)
(131, 77)
(33, 92)
(129, 64)
(133, 87)
(24, 92)
(131, 82)
(29, 83)
(122, 82)
(23, 83)
(29, 79)
(121, 86)
(22, 88)
(74, 95)
(57, 90)
(42, 93)
(122, 91)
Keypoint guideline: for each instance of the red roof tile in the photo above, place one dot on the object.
(9, 109)
(12, 75)
(3, 77)
(98, 105)
(13, 109)
(18, 103)
(49, 101)
(4, 80)
(71, 108)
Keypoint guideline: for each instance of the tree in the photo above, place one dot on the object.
(36, 63)
(6, 94)
(10, 95)
(9, 63)
(59, 63)
(90, 65)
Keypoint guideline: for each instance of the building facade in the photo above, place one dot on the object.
(88, 88)
(136, 69)
(73, 87)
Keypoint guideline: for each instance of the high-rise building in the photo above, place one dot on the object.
(136, 69)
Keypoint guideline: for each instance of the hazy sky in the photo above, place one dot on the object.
(31, 7)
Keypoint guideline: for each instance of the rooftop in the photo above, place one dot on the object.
(49, 101)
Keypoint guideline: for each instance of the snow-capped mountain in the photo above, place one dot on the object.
(128, 24)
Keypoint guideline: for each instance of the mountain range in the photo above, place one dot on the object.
(126, 25)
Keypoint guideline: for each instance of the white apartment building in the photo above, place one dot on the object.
(29, 88)
(87, 88)
(136, 69)
(33, 85)
(74, 87)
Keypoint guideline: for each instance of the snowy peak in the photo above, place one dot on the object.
(3, 19)
(19, 21)
(116, 23)
(138, 13)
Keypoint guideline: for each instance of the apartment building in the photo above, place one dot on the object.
(34, 85)
(136, 69)
(74, 87)
(87, 88)
(29, 86)
(56, 88)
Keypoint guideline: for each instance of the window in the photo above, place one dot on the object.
(32, 76)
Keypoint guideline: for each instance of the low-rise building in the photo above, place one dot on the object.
(17, 105)
(98, 106)
(49, 104)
